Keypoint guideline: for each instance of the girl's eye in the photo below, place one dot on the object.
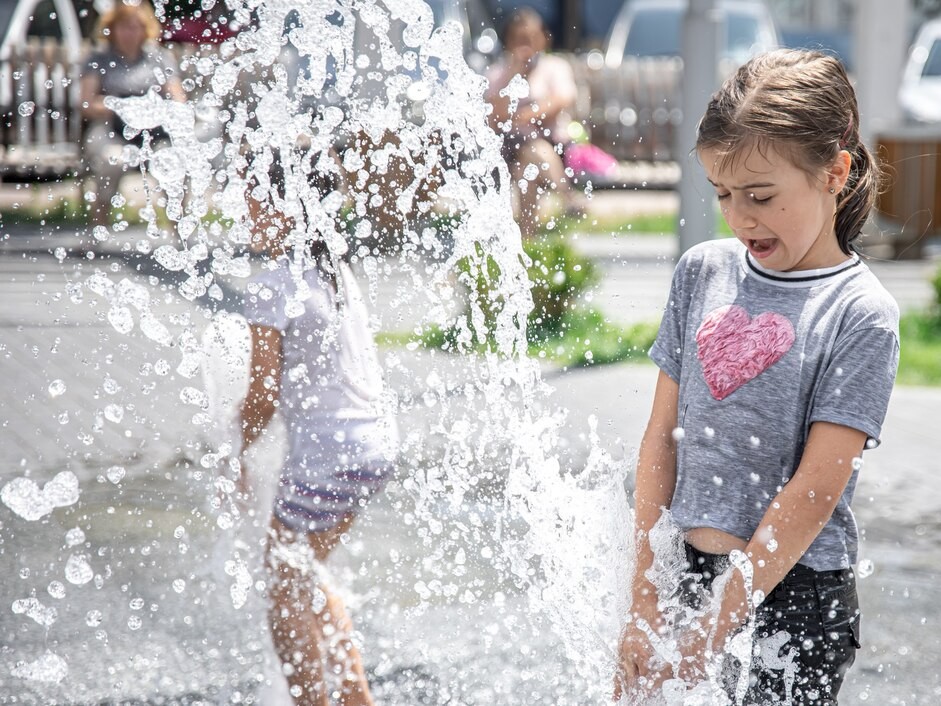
(758, 200)
(723, 196)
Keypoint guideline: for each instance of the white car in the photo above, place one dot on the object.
(636, 104)
(654, 28)
(920, 91)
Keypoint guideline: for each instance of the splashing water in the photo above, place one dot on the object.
(484, 515)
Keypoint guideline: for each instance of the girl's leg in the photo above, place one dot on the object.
(309, 624)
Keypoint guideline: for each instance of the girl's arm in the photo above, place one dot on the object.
(264, 383)
(656, 481)
(796, 515)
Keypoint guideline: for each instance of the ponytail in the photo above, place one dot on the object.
(858, 197)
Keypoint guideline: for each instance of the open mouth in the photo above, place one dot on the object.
(761, 248)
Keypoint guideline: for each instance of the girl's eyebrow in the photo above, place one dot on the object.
(760, 185)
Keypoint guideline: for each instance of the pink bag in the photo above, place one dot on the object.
(588, 160)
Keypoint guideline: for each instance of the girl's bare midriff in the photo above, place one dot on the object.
(713, 541)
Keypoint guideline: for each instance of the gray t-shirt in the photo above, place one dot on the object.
(759, 357)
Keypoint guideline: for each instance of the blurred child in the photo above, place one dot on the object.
(313, 358)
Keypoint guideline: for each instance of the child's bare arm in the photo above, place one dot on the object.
(656, 481)
(656, 477)
(264, 384)
(798, 513)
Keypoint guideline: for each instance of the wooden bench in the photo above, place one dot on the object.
(40, 123)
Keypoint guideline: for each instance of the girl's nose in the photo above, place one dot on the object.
(738, 218)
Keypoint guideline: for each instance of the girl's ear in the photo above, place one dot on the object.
(839, 171)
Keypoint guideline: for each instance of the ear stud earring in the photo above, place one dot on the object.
(832, 190)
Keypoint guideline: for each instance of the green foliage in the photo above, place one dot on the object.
(920, 355)
(559, 277)
(936, 282)
(560, 328)
(586, 337)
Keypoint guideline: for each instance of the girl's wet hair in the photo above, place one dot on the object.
(802, 104)
(274, 192)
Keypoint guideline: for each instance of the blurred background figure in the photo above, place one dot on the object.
(537, 131)
(320, 368)
(130, 64)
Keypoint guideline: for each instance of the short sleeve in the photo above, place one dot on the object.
(264, 300)
(855, 388)
(667, 350)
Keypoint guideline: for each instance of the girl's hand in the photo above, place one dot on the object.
(640, 669)
(695, 652)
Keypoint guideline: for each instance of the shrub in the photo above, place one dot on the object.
(558, 277)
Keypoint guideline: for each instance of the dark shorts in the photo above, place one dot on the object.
(806, 633)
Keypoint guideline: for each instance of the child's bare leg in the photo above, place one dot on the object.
(309, 624)
(293, 625)
(342, 655)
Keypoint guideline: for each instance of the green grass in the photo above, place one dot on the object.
(920, 357)
(640, 224)
(585, 338)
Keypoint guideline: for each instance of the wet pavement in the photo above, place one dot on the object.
(143, 592)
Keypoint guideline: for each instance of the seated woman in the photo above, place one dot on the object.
(534, 132)
(129, 65)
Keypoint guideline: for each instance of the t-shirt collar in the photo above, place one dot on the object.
(798, 278)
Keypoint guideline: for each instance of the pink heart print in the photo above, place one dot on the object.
(735, 348)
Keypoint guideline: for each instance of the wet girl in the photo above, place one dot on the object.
(313, 358)
(777, 353)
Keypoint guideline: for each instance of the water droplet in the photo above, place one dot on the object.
(74, 537)
(111, 386)
(77, 570)
(120, 317)
(114, 413)
(754, 441)
(56, 388)
(100, 233)
(531, 172)
(772, 545)
(136, 603)
(50, 668)
(179, 585)
(857, 463)
(134, 622)
(679, 434)
(93, 618)
(717, 480)
(56, 589)
(865, 568)
(115, 474)
(26, 108)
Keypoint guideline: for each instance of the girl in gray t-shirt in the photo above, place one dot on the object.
(777, 353)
